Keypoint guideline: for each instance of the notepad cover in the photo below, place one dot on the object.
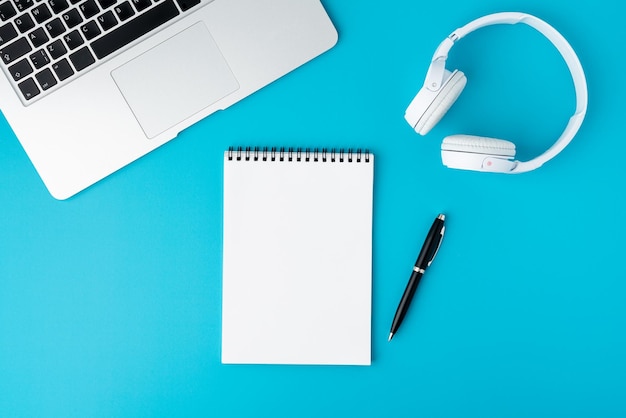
(297, 261)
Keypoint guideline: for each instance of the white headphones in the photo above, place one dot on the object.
(442, 88)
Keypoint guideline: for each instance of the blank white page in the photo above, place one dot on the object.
(297, 262)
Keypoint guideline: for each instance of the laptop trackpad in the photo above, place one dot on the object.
(175, 79)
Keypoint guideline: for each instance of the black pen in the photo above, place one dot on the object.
(426, 256)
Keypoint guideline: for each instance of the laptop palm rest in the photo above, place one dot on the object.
(175, 79)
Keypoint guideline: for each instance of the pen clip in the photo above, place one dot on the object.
(443, 229)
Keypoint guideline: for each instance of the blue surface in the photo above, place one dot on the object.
(110, 301)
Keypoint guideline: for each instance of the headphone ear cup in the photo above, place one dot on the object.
(467, 152)
(442, 102)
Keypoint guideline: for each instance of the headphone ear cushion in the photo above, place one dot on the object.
(442, 102)
(478, 145)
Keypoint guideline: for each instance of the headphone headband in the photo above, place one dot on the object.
(436, 74)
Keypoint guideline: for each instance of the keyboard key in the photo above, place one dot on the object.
(11, 52)
(124, 11)
(24, 23)
(71, 18)
(39, 58)
(62, 69)
(7, 33)
(187, 4)
(23, 4)
(82, 59)
(20, 69)
(130, 31)
(90, 30)
(106, 3)
(107, 20)
(56, 49)
(89, 9)
(73, 39)
(141, 4)
(41, 13)
(46, 79)
(29, 88)
(38, 37)
(58, 6)
(55, 27)
(7, 11)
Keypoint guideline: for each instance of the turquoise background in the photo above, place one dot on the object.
(110, 302)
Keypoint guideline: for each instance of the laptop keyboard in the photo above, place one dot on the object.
(45, 44)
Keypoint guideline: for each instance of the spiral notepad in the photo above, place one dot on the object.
(297, 261)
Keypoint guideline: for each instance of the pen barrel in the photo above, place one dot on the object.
(407, 296)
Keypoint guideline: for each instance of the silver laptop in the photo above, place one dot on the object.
(89, 86)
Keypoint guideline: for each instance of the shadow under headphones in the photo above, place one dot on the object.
(442, 87)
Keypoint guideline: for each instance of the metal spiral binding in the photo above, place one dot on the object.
(298, 154)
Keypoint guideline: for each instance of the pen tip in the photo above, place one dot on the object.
(390, 336)
(442, 216)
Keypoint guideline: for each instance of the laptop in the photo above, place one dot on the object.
(88, 86)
